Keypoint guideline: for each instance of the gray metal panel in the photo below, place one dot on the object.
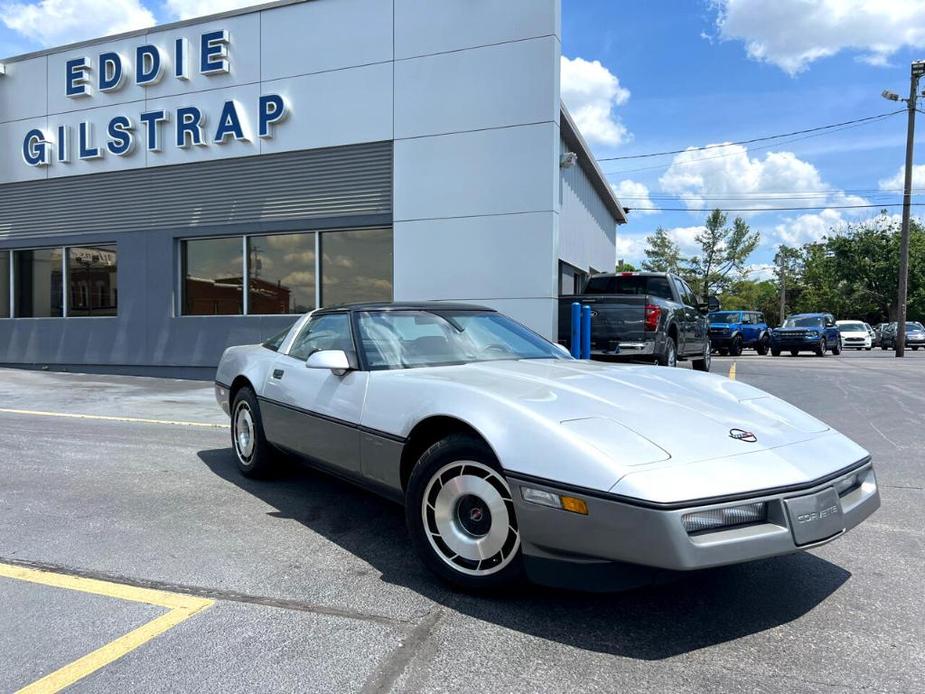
(334, 182)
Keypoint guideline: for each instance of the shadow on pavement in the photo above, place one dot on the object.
(700, 609)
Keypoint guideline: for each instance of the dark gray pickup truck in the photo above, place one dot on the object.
(643, 316)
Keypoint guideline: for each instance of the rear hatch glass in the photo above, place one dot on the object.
(629, 284)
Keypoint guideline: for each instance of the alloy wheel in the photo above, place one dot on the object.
(468, 516)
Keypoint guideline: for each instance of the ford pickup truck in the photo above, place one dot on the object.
(643, 316)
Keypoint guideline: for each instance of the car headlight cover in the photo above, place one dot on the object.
(716, 518)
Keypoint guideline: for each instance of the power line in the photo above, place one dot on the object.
(772, 209)
(757, 139)
(729, 154)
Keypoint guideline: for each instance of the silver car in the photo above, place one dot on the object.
(512, 458)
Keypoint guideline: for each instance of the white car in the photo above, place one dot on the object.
(855, 335)
(511, 457)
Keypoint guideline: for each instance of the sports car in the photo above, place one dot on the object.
(511, 458)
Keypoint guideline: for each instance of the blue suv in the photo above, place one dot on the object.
(807, 332)
(732, 331)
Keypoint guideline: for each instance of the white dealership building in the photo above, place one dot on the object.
(168, 192)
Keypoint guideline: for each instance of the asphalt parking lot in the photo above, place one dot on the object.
(133, 557)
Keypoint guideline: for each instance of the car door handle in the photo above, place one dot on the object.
(278, 374)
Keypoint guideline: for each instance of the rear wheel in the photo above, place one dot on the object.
(794, 352)
(703, 364)
(763, 344)
(670, 356)
(915, 349)
(723, 352)
(251, 449)
(460, 515)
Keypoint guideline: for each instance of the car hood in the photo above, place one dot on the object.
(684, 415)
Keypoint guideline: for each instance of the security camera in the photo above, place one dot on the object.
(568, 160)
(891, 96)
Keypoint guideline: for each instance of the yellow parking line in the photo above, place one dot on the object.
(181, 607)
(732, 371)
(105, 418)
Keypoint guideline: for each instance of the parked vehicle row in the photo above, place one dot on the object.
(855, 334)
(915, 335)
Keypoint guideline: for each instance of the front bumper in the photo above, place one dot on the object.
(808, 342)
(221, 397)
(644, 535)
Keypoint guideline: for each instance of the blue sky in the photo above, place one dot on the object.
(702, 72)
(659, 75)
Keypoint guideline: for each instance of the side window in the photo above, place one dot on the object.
(682, 290)
(759, 318)
(331, 331)
(747, 318)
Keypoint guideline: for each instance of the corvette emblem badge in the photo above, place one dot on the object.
(742, 435)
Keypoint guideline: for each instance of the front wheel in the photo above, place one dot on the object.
(460, 515)
(703, 364)
(775, 352)
(836, 350)
(251, 449)
(735, 348)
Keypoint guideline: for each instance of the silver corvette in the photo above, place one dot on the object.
(511, 457)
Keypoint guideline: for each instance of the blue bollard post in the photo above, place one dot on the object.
(575, 343)
(585, 332)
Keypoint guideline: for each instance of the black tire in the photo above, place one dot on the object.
(703, 364)
(819, 349)
(836, 350)
(794, 352)
(463, 457)
(670, 356)
(251, 448)
(763, 345)
(775, 352)
(723, 352)
(735, 347)
(915, 349)
(868, 348)
(883, 347)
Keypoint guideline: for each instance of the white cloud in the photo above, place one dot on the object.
(56, 22)
(635, 196)
(896, 183)
(791, 34)
(729, 177)
(760, 271)
(631, 248)
(184, 9)
(686, 238)
(591, 92)
(808, 228)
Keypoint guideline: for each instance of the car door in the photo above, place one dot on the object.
(697, 323)
(682, 316)
(316, 412)
(748, 328)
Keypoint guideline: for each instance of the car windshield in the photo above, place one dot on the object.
(724, 317)
(803, 322)
(414, 338)
(914, 325)
(852, 327)
(629, 284)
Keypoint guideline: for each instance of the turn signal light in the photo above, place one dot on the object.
(544, 498)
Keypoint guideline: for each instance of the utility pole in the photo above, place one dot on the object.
(918, 70)
(783, 290)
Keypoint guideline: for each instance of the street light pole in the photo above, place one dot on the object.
(918, 69)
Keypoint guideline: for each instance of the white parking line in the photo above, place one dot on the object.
(105, 418)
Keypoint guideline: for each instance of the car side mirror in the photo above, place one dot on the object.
(335, 360)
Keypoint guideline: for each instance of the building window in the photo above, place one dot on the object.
(356, 266)
(39, 286)
(213, 277)
(281, 272)
(91, 280)
(4, 284)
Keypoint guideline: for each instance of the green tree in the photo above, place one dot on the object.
(623, 266)
(752, 295)
(787, 269)
(724, 253)
(662, 253)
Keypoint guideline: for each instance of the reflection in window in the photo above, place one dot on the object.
(213, 277)
(356, 266)
(324, 332)
(282, 273)
(91, 280)
(39, 286)
(4, 284)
